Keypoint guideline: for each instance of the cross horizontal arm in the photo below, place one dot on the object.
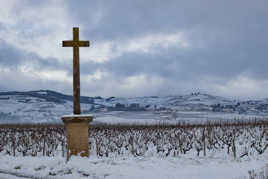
(83, 43)
(69, 43)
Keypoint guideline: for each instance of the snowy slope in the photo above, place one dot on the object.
(169, 101)
(48, 106)
(39, 106)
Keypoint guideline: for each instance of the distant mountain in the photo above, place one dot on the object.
(47, 95)
(49, 106)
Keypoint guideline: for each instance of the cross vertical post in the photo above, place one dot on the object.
(75, 43)
(76, 73)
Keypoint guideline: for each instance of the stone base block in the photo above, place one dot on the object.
(77, 134)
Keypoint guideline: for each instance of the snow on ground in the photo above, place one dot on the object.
(124, 117)
(109, 119)
(8, 176)
(128, 167)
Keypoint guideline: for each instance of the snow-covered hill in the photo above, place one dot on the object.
(49, 106)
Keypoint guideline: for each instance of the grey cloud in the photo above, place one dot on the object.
(123, 19)
(227, 39)
(11, 56)
(232, 34)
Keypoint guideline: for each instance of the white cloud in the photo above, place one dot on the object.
(240, 86)
(4, 70)
(6, 12)
(99, 52)
(41, 75)
(146, 43)
(136, 85)
(20, 80)
(39, 30)
(141, 81)
(42, 28)
(97, 75)
(149, 44)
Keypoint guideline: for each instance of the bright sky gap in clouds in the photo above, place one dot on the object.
(138, 48)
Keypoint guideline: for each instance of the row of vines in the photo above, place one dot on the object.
(161, 140)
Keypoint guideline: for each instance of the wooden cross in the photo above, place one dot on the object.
(75, 43)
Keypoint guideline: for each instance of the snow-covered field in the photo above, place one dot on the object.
(123, 117)
(129, 167)
(136, 153)
(216, 165)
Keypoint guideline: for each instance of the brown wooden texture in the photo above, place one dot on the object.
(69, 43)
(75, 43)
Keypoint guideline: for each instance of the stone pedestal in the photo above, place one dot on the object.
(77, 134)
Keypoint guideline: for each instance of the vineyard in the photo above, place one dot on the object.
(233, 139)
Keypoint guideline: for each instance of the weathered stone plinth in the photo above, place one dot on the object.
(77, 134)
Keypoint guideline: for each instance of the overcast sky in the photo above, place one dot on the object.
(138, 47)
